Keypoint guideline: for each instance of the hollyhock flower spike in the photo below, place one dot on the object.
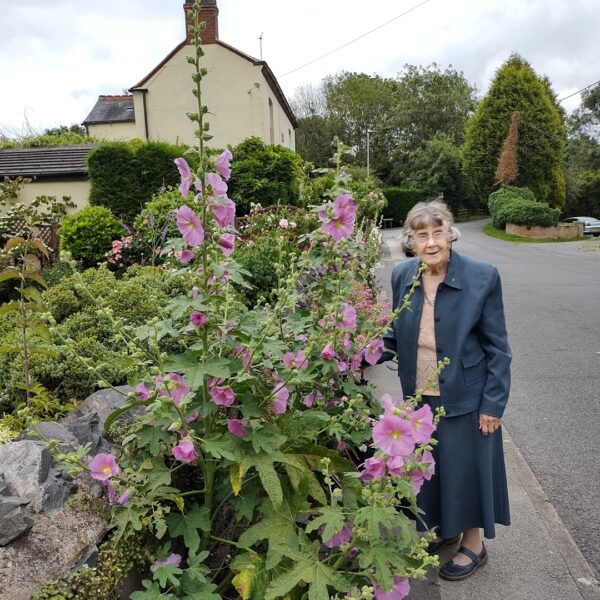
(172, 559)
(393, 435)
(282, 395)
(222, 395)
(237, 427)
(222, 163)
(374, 468)
(226, 243)
(189, 226)
(186, 176)
(185, 451)
(400, 589)
(103, 467)
(422, 422)
(219, 187)
(341, 537)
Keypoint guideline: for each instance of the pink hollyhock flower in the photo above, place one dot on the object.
(343, 536)
(123, 498)
(198, 319)
(223, 164)
(373, 351)
(328, 353)
(374, 468)
(342, 366)
(344, 204)
(301, 337)
(193, 416)
(309, 400)
(142, 392)
(103, 467)
(295, 361)
(189, 226)
(219, 187)
(348, 317)
(347, 344)
(341, 445)
(223, 211)
(185, 256)
(282, 395)
(186, 176)
(400, 589)
(185, 451)
(226, 243)
(356, 362)
(339, 226)
(172, 559)
(422, 422)
(393, 435)
(222, 395)
(179, 390)
(283, 223)
(395, 465)
(237, 427)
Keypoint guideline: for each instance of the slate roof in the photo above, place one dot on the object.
(56, 161)
(112, 109)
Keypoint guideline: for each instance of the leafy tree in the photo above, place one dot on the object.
(508, 167)
(435, 168)
(542, 134)
(356, 102)
(429, 101)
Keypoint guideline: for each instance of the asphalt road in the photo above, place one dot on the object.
(552, 304)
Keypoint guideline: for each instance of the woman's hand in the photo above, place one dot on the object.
(488, 424)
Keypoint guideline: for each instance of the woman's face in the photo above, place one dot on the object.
(432, 247)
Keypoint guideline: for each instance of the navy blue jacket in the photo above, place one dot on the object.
(469, 329)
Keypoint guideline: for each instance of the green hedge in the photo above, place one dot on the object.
(528, 213)
(400, 201)
(125, 175)
(504, 195)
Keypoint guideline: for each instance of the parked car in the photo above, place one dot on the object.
(591, 226)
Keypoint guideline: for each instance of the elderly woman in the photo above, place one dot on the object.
(455, 312)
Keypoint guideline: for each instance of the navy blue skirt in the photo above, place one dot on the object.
(469, 487)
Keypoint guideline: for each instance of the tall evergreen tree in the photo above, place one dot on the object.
(542, 133)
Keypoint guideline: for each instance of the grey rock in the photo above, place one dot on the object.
(51, 430)
(85, 429)
(14, 518)
(25, 465)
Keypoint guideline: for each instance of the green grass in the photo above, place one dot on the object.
(517, 239)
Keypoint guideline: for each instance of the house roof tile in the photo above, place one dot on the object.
(112, 109)
(56, 161)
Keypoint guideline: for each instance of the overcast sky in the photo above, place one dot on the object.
(57, 56)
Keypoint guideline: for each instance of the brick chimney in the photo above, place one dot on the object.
(209, 13)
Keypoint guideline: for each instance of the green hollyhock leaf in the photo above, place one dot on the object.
(333, 519)
(187, 525)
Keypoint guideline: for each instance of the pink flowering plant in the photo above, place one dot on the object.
(261, 464)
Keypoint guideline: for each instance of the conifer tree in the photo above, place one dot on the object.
(542, 133)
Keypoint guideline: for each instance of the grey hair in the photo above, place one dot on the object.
(423, 214)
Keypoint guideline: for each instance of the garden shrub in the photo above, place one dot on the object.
(528, 213)
(370, 199)
(124, 176)
(313, 189)
(263, 174)
(400, 201)
(88, 234)
(504, 195)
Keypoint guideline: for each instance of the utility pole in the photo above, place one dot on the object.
(260, 40)
(368, 150)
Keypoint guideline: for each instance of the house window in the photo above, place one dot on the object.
(290, 137)
(271, 123)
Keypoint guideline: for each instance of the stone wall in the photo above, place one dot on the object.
(564, 231)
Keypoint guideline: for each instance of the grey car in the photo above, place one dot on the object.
(591, 226)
